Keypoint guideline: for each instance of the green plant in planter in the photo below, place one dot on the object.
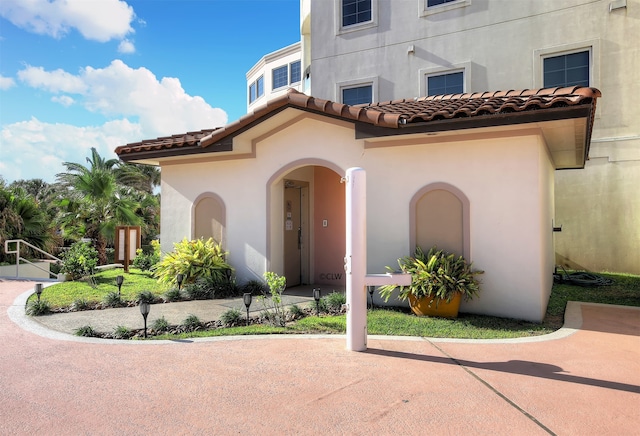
(436, 274)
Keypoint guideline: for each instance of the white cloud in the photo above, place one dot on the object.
(126, 46)
(6, 82)
(161, 106)
(96, 20)
(53, 81)
(36, 150)
(64, 100)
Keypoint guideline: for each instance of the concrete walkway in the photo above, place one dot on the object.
(175, 313)
(584, 380)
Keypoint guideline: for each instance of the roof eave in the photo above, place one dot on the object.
(366, 131)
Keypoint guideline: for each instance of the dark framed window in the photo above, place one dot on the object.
(252, 92)
(260, 86)
(355, 11)
(256, 89)
(357, 95)
(452, 83)
(437, 2)
(280, 76)
(295, 72)
(566, 70)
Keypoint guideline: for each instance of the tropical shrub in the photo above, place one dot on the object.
(274, 310)
(335, 300)
(160, 324)
(199, 290)
(437, 275)
(193, 259)
(146, 261)
(231, 317)
(296, 311)
(37, 308)
(122, 332)
(192, 323)
(173, 294)
(80, 260)
(146, 297)
(112, 299)
(79, 304)
(86, 331)
(254, 287)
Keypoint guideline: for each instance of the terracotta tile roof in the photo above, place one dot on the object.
(441, 107)
(390, 115)
(165, 142)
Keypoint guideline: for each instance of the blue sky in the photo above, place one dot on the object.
(77, 74)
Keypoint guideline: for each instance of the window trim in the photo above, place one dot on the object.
(592, 46)
(255, 83)
(367, 81)
(426, 10)
(340, 29)
(273, 82)
(291, 82)
(425, 73)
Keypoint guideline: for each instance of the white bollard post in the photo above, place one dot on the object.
(356, 259)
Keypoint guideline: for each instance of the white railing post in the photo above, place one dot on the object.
(356, 258)
(355, 261)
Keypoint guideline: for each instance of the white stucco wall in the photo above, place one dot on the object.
(592, 204)
(507, 181)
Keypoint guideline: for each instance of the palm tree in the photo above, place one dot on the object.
(144, 178)
(97, 203)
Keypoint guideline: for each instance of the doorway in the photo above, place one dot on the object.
(296, 232)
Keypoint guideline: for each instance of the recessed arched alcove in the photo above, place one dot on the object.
(439, 215)
(209, 217)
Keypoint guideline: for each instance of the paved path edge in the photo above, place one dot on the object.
(572, 323)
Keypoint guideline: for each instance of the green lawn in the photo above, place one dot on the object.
(135, 281)
(624, 291)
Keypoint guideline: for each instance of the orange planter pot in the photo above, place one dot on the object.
(428, 306)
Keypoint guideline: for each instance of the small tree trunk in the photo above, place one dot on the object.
(101, 247)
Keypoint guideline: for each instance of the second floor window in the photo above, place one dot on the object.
(357, 95)
(437, 2)
(452, 83)
(256, 89)
(295, 72)
(355, 11)
(280, 77)
(566, 70)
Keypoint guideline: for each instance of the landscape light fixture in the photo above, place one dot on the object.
(38, 290)
(371, 289)
(119, 281)
(246, 297)
(316, 296)
(144, 310)
(179, 279)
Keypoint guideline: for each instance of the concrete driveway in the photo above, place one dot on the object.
(579, 381)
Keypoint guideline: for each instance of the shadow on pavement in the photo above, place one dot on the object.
(533, 369)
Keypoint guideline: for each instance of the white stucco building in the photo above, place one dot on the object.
(473, 174)
(360, 51)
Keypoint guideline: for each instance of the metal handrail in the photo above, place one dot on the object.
(19, 258)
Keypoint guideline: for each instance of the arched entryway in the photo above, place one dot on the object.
(307, 224)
